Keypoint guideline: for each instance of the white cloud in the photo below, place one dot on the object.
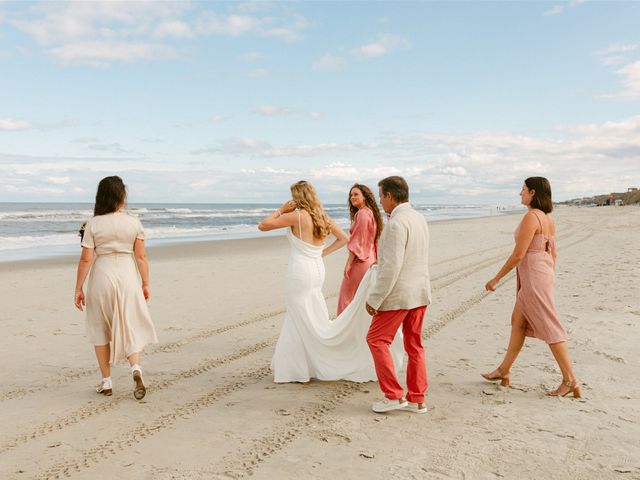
(257, 73)
(217, 118)
(613, 54)
(61, 22)
(558, 9)
(612, 60)
(631, 81)
(174, 29)
(289, 31)
(616, 48)
(473, 167)
(329, 63)
(58, 180)
(12, 124)
(101, 54)
(236, 146)
(555, 10)
(383, 45)
(253, 56)
(235, 25)
(630, 74)
(272, 110)
(211, 23)
(85, 32)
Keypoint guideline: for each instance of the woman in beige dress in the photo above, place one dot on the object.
(118, 321)
(534, 314)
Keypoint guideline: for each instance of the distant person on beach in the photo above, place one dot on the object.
(310, 344)
(366, 227)
(118, 322)
(534, 313)
(400, 297)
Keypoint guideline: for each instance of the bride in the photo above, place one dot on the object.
(310, 344)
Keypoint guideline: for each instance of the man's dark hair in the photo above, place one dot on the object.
(397, 187)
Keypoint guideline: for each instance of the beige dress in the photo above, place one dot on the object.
(117, 312)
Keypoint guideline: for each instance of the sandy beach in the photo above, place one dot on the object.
(212, 410)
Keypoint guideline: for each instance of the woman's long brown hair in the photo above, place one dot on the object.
(369, 201)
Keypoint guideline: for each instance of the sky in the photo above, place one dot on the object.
(233, 102)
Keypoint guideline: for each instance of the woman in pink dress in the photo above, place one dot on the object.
(534, 314)
(366, 227)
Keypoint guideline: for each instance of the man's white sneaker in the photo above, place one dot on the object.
(415, 408)
(386, 405)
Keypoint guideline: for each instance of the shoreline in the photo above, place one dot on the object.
(204, 246)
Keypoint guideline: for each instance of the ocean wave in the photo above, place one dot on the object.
(168, 232)
(31, 241)
(177, 210)
(47, 215)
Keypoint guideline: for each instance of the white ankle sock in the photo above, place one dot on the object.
(106, 383)
(136, 367)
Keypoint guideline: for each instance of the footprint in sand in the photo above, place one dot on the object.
(608, 356)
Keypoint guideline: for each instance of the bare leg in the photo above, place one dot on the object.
(103, 355)
(561, 354)
(518, 326)
(134, 358)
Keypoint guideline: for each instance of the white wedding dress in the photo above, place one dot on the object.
(310, 344)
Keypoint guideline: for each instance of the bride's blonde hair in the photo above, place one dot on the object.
(306, 198)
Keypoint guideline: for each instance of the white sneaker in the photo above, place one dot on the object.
(414, 408)
(105, 387)
(386, 405)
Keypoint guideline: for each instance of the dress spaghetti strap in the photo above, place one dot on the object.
(541, 227)
(299, 224)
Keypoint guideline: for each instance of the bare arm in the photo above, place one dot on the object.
(528, 228)
(340, 241)
(140, 255)
(282, 217)
(84, 265)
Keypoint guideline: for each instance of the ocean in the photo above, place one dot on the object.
(40, 230)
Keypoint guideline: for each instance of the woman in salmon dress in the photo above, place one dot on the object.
(366, 227)
(534, 314)
(118, 323)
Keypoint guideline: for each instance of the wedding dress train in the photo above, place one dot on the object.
(310, 344)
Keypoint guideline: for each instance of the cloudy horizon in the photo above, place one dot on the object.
(233, 102)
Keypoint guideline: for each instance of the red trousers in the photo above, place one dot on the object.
(384, 326)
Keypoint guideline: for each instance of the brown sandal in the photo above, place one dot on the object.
(573, 387)
(139, 390)
(497, 375)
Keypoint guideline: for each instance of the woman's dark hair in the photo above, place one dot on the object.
(541, 193)
(369, 201)
(397, 187)
(112, 194)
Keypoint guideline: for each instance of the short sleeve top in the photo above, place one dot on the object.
(112, 233)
